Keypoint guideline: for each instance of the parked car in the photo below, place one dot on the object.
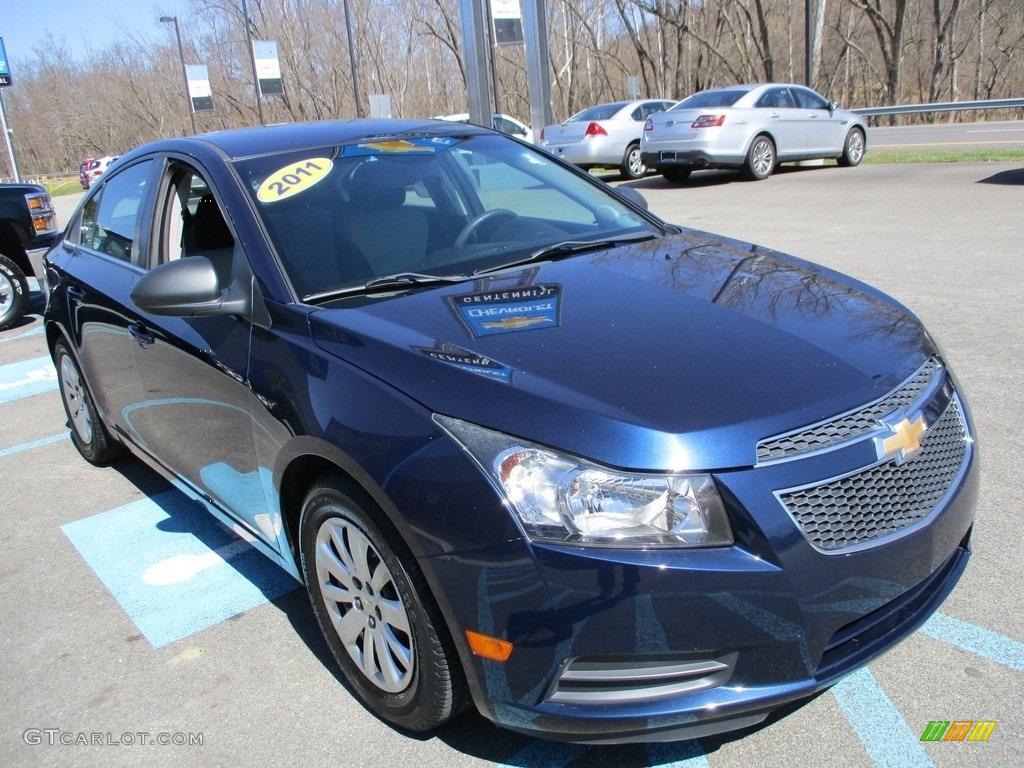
(525, 443)
(28, 226)
(500, 122)
(91, 169)
(753, 128)
(605, 136)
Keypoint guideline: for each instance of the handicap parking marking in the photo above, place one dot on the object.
(26, 378)
(173, 568)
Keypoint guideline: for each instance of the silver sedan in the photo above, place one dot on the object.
(604, 136)
(753, 128)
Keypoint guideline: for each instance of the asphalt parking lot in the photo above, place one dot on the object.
(137, 631)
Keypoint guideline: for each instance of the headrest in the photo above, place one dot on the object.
(211, 231)
(375, 186)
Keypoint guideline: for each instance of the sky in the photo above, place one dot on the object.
(83, 24)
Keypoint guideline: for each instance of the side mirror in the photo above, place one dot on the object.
(188, 287)
(633, 196)
(833, 106)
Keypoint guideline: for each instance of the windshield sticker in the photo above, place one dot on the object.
(491, 310)
(423, 145)
(294, 178)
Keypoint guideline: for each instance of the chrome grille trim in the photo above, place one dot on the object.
(604, 680)
(885, 500)
(839, 430)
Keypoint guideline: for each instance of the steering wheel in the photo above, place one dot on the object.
(471, 228)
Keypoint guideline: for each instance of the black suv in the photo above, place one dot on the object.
(27, 223)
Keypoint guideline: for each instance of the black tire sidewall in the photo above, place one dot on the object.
(99, 449)
(412, 708)
(625, 169)
(20, 292)
(846, 159)
(751, 171)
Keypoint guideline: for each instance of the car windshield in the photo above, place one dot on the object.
(351, 217)
(600, 112)
(724, 97)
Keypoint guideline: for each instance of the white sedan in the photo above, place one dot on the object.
(753, 128)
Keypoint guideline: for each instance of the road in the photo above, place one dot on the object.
(239, 664)
(947, 136)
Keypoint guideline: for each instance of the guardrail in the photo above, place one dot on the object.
(942, 106)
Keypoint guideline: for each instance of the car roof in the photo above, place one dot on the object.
(248, 142)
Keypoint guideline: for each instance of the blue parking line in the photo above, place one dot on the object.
(878, 724)
(173, 568)
(26, 378)
(34, 444)
(37, 331)
(544, 754)
(977, 640)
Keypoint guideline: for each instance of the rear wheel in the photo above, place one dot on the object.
(632, 166)
(676, 175)
(88, 433)
(13, 293)
(853, 148)
(760, 159)
(374, 607)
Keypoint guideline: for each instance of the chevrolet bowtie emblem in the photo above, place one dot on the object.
(515, 323)
(903, 440)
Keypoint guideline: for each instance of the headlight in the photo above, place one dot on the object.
(560, 498)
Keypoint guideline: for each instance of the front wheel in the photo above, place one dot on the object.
(375, 610)
(88, 433)
(632, 166)
(853, 148)
(13, 293)
(760, 159)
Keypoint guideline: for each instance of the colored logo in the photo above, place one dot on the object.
(958, 730)
(903, 440)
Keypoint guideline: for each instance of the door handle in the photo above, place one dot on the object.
(76, 294)
(141, 334)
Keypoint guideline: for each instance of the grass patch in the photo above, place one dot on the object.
(67, 188)
(945, 156)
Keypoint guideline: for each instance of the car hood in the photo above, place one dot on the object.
(673, 354)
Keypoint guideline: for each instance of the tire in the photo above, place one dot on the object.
(632, 166)
(676, 175)
(88, 433)
(376, 612)
(853, 148)
(760, 159)
(13, 293)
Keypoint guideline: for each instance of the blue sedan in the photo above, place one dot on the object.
(528, 446)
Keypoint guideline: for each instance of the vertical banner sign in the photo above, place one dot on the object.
(5, 67)
(268, 70)
(199, 93)
(508, 22)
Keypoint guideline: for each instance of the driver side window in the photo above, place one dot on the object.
(110, 219)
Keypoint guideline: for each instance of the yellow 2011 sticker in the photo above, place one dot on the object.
(293, 179)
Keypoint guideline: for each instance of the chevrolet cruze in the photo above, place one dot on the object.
(528, 446)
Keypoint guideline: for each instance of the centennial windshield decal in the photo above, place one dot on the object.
(493, 308)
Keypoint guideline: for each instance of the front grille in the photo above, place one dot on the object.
(851, 425)
(597, 680)
(884, 499)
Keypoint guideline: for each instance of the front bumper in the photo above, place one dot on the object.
(628, 645)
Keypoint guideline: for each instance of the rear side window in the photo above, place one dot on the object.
(110, 218)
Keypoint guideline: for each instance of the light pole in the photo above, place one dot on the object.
(184, 72)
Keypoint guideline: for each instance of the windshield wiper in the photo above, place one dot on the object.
(568, 248)
(386, 283)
